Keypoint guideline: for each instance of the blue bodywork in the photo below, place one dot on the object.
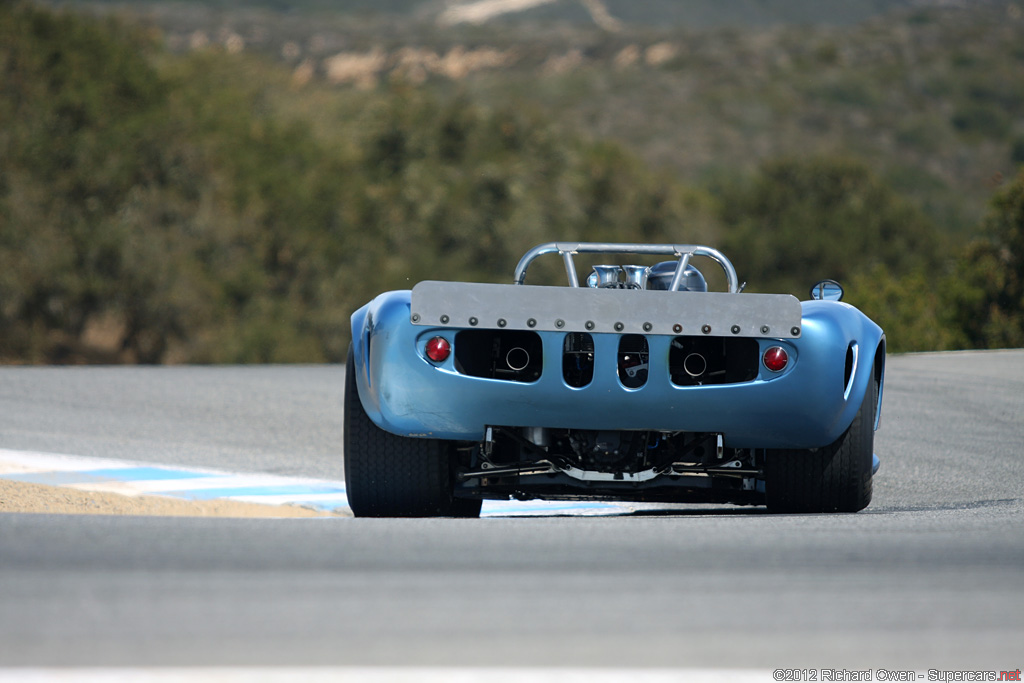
(837, 356)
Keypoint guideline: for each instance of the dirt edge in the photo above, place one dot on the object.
(16, 496)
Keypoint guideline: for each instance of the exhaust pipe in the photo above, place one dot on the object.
(695, 365)
(517, 359)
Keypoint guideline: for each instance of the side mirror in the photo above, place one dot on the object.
(827, 290)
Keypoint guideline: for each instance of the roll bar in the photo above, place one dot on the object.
(683, 252)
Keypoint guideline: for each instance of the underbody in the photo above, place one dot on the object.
(525, 463)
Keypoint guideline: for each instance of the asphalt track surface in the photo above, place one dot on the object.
(931, 576)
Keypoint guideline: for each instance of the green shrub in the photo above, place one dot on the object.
(802, 220)
(981, 120)
(986, 292)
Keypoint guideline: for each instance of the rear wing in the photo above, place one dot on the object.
(620, 311)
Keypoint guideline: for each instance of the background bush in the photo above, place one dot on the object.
(202, 207)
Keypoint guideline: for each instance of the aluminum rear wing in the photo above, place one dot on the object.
(683, 252)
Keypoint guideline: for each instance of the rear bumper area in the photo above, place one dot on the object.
(807, 405)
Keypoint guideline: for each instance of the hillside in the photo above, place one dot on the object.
(205, 187)
(930, 94)
(693, 14)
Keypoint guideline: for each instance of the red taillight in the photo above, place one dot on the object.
(776, 359)
(438, 349)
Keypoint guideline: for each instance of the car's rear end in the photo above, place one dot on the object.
(613, 392)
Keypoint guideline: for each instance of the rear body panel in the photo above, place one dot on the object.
(833, 348)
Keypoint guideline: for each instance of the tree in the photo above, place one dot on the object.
(803, 220)
(986, 293)
(910, 308)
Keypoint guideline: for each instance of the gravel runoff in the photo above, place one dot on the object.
(36, 498)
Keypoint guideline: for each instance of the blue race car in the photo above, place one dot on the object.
(641, 385)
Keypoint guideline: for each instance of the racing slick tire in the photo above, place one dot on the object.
(387, 475)
(835, 478)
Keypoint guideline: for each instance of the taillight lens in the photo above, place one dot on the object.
(776, 359)
(438, 349)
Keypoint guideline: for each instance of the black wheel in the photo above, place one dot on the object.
(395, 476)
(836, 478)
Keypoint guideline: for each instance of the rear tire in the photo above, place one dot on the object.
(836, 478)
(387, 475)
